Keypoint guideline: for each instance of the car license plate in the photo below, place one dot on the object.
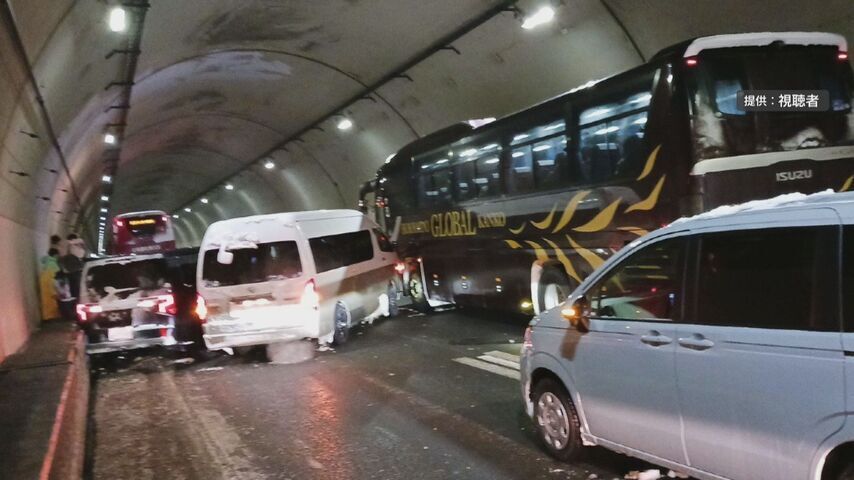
(120, 333)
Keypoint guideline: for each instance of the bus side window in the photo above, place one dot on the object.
(488, 179)
(538, 158)
(611, 138)
(466, 183)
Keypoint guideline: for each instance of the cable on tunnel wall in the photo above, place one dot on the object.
(399, 72)
(9, 20)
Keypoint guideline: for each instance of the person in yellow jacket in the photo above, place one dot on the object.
(47, 285)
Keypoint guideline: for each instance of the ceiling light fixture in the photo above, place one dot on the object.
(106, 179)
(542, 16)
(118, 19)
(345, 124)
(204, 200)
(269, 165)
(105, 198)
(175, 216)
(229, 186)
(103, 210)
(109, 139)
(188, 209)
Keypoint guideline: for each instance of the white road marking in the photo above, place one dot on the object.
(489, 367)
(505, 356)
(500, 361)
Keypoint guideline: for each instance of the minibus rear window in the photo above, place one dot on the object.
(268, 262)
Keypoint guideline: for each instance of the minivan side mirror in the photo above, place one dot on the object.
(224, 257)
(578, 315)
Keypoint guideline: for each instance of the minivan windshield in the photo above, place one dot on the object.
(722, 129)
(269, 261)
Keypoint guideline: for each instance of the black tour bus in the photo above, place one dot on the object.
(513, 214)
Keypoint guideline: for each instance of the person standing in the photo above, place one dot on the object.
(72, 262)
(47, 287)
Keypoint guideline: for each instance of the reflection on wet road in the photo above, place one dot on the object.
(406, 398)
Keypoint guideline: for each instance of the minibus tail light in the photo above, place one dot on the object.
(400, 267)
(201, 308)
(310, 298)
(842, 56)
(691, 61)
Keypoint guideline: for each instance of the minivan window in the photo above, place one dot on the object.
(645, 285)
(126, 278)
(772, 278)
(270, 261)
(336, 251)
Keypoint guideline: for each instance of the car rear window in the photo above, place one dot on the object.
(123, 279)
(268, 262)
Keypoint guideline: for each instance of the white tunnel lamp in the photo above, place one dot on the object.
(105, 198)
(118, 19)
(540, 17)
(109, 139)
(175, 216)
(188, 209)
(229, 187)
(204, 200)
(345, 124)
(269, 165)
(107, 179)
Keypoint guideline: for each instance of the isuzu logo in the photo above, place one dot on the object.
(794, 175)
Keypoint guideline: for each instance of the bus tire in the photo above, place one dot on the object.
(418, 294)
(341, 324)
(553, 289)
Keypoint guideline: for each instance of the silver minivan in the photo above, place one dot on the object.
(721, 346)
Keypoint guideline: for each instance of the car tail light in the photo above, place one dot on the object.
(400, 267)
(201, 308)
(120, 223)
(842, 56)
(527, 341)
(310, 298)
(85, 311)
(691, 61)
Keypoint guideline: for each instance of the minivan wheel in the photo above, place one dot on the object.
(418, 294)
(342, 324)
(554, 288)
(556, 421)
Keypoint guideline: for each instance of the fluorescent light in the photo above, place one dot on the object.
(640, 121)
(109, 139)
(204, 200)
(107, 179)
(105, 198)
(104, 210)
(603, 131)
(540, 148)
(118, 19)
(441, 161)
(187, 209)
(469, 152)
(229, 186)
(521, 136)
(518, 154)
(345, 124)
(491, 161)
(540, 17)
(269, 165)
(175, 216)
(103, 218)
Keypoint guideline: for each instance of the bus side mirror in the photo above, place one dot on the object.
(578, 315)
(224, 257)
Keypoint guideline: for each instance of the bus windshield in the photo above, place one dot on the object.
(722, 129)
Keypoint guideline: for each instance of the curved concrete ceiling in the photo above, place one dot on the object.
(220, 82)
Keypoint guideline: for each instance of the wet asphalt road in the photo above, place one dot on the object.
(390, 404)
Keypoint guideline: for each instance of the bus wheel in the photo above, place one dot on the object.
(553, 289)
(418, 294)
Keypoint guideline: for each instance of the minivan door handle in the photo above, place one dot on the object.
(655, 339)
(697, 342)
